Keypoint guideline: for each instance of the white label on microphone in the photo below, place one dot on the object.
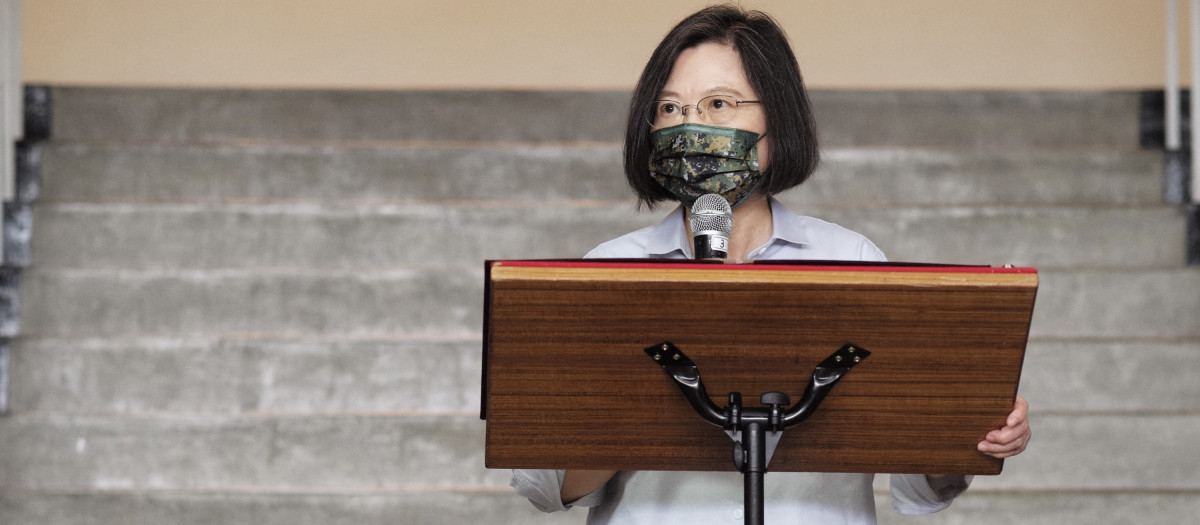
(719, 243)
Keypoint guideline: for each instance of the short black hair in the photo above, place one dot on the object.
(774, 74)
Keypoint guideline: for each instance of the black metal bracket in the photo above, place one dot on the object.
(756, 430)
(684, 372)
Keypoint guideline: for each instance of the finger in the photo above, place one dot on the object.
(1017, 441)
(1013, 437)
(1000, 452)
(1006, 448)
(1003, 453)
(1009, 433)
(1020, 412)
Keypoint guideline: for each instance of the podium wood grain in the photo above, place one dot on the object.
(567, 384)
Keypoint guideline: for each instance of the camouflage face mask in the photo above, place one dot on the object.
(690, 160)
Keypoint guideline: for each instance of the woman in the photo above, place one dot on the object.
(721, 108)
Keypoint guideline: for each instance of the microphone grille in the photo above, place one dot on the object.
(711, 212)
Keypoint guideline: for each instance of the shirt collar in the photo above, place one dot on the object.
(785, 225)
(670, 236)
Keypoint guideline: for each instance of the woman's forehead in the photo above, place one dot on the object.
(707, 69)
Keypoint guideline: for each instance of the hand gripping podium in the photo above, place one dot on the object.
(926, 361)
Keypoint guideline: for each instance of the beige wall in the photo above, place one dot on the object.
(548, 44)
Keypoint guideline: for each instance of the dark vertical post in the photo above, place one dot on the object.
(16, 234)
(754, 472)
(1193, 234)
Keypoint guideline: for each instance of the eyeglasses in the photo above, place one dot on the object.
(714, 109)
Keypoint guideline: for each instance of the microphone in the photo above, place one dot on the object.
(711, 222)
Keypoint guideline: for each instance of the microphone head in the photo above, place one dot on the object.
(711, 213)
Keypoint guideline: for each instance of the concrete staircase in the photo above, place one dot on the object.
(263, 307)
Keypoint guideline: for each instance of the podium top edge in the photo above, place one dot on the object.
(819, 266)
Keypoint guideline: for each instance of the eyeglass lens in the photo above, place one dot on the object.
(715, 109)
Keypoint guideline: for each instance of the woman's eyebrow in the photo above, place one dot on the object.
(723, 90)
(715, 90)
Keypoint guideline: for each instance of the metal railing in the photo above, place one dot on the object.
(1181, 169)
(12, 123)
(11, 112)
(1174, 125)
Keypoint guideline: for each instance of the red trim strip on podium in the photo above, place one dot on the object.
(821, 266)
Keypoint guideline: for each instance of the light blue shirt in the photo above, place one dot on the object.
(793, 237)
(701, 498)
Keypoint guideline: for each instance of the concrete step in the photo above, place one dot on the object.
(850, 177)
(1099, 304)
(882, 177)
(413, 507)
(1055, 507)
(448, 303)
(1048, 238)
(465, 508)
(1112, 376)
(105, 304)
(339, 452)
(91, 114)
(245, 376)
(985, 120)
(313, 236)
(323, 376)
(402, 172)
(344, 452)
(1146, 451)
(978, 120)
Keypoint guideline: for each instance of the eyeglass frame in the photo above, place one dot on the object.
(737, 104)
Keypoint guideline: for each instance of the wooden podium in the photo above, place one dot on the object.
(567, 385)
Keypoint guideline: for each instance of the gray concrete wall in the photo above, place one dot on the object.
(265, 307)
